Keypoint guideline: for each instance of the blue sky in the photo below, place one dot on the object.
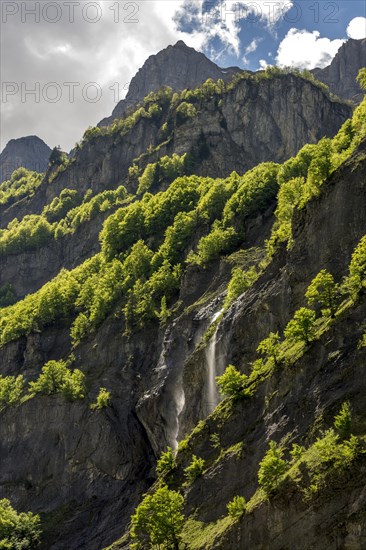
(101, 47)
(261, 30)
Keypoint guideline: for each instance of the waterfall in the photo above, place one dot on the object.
(212, 393)
(179, 399)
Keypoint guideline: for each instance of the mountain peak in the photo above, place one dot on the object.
(181, 44)
(341, 74)
(31, 152)
(178, 66)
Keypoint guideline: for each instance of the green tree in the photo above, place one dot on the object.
(236, 507)
(270, 347)
(302, 327)
(57, 378)
(232, 383)
(356, 280)
(271, 468)
(194, 469)
(57, 157)
(158, 520)
(361, 78)
(102, 401)
(240, 281)
(166, 463)
(18, 531)
(185, 111)
(323, 291)
(343, 420)
(11, 389)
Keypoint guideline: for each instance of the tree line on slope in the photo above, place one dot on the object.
(146, 244)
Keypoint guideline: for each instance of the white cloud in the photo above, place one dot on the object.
(250, 49)
(306, 50)
(357, 28)
(263, 64)
(106, 52)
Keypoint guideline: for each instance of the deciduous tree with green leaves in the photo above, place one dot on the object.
(323, 291)
(158, 520)
(166, 462)
(232, 383)
(18, 531)
(302, 327)
(272, 467)
(270, 347)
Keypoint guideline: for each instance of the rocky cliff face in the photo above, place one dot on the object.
(261, 121)
(341, 74)
(30, 152)
(158, 378)
(176, 66)
(84, 470)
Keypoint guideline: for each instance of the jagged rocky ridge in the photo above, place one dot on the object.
(30, 152)
(177, 66)
(62, 468)
(341, 74)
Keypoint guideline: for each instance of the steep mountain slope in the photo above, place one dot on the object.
(341, 74)
(177, 66)
(133, 319)
(120, 304)
(254, 119)
(30, 152)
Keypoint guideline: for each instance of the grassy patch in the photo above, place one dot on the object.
(198, 535)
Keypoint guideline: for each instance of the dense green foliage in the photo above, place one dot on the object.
(103, 400)
(166, 463)
(146, 244)
(11, 390)
(158, 520)
(270, 347)
(343, 420)
(56, 378)
(22, 183)
(356, 279)
(165, 170)
(64, 215)
(194, 469)
(271, 468)
(323, 291)
(18, 531)
(301, 177)
(240, 281)
(232, 383)
(302, 327)
(236, 507)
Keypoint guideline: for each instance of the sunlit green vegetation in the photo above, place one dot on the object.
(11, 390)
(236, 507)
(301, 177)
(147, 243)
(22, 183)
(165, 170)
(194, 469)
(232, 383)
(64, 215)
(103, 400)
(57, 378)
(166, 463)
(18, 530)
(158, 520)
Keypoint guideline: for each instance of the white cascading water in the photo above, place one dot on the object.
(212, 395)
